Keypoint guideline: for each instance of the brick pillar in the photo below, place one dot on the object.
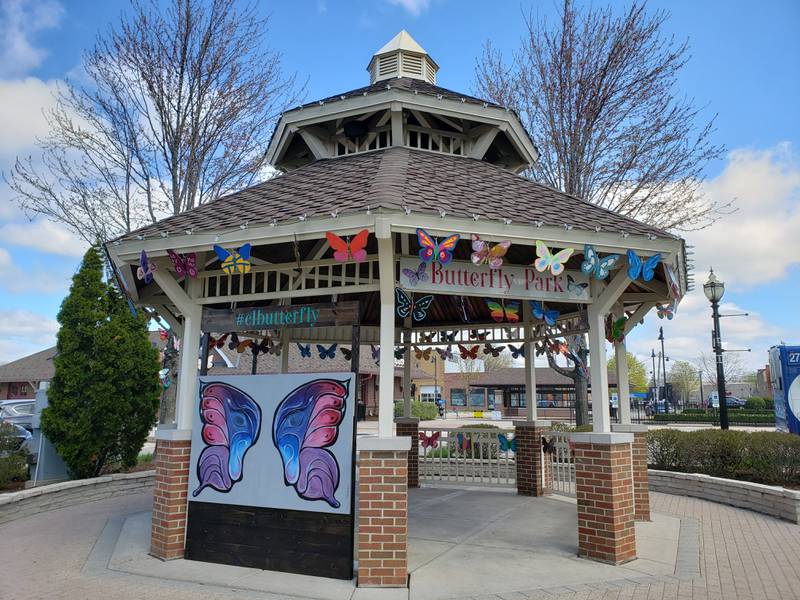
(168, 530)
(409, 427)
(641, 486)
(604, 490)
(382, 542)
(533, 478)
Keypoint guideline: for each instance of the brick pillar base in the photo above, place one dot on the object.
(641, 486)
(409, 427)
(604, 490)
(382, 543)
(533, 477)
(168, 530)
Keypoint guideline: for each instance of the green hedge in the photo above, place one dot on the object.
(766, 418)
(763, 457)
(13, 465)
(424, 411)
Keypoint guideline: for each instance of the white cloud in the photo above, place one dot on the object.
(760, 241)
(44, 236)
(17, 280)
(20, 21)
(415, 7)
(23, 103)
(23, 332)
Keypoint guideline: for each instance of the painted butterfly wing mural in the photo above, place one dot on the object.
(146, 269)
(231, 426)
(594, 265)
(234, 261)
(354, 248)
(555, 261)
(430, 250)
(306, 424)
(414, 277)
(185, 264)
(646, 268)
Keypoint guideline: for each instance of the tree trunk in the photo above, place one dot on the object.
(581, 399)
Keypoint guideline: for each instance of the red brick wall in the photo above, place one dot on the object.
(409, 427)
(532, 479)
(641, 486)
(604, 490)
(168, 532)
(382, 518)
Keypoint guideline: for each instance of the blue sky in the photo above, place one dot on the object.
(743, 67)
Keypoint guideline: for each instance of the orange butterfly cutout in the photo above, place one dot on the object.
(468, 353)
(355, 248)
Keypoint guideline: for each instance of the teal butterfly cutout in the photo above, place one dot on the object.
(593, 264)
(506, 444)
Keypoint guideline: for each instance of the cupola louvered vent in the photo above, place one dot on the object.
(402, 57)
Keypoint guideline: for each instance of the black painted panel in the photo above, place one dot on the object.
(292, 541)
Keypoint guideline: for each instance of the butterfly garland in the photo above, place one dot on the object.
(418, 309)
(327, 353)
(484, 253)
(234, 261)
(446, 353)
(539, 312)
(549, 260)
(305, 350)
(506, 444)
(517, 352)
(414, 277)
(644, 268)
(594, 265)
(354, 249)
(146, 269)
(504, 311)
(494, 351)
(468, 353)
(185, 264)
(424, 355)
(429, 441)
(433, 251)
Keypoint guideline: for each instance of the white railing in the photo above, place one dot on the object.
(562, 463)
(470, 456)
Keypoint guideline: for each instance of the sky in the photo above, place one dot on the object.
(744, 68)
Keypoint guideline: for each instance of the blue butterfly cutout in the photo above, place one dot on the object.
(418, 309)
(517, 352)
(593, 264)
(647, 268)
(305, 351)
(539, 312)
(506, 444)
(327, 353)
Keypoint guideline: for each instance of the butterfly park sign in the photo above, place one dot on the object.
(271, 473)
(515, 281)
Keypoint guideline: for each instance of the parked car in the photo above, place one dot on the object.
(19, 412)
(730, 401)
(21, 435)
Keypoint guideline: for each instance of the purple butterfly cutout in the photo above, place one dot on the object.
(376, 353)
(231, 425)
(414, 277)
(306, 423)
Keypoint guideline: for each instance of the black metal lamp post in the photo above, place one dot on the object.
(714, 289)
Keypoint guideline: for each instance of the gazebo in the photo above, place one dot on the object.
(400, 219)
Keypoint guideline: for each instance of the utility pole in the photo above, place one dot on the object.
(702, 398)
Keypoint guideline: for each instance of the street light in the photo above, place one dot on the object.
(714, 290)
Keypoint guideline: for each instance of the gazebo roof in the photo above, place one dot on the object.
(389, 180)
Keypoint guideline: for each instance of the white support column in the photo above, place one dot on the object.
(386, 370)
(601, 418)
(530, 364)
(406, 373)
(285, 341)
(623, 390)
(187, 376)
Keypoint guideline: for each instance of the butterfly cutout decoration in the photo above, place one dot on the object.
(243, 345)
(423, 354)
(559, 347)
(474, 334)
(231, 426)
(427, 337)
(418, 309)
(541, 347)
(667, 310)
(429, 441)
(347, 353)
(217, 342)
(539, 312)
(447, 336)
(327, 353)
(511, 332)
(414, 277)
(305, 350)
(163, 334)
(354, 248)
(464, 442)
(615, 329)
(672, 282)
(306, 424)
(146, 269)
(547, 260)
(399, 352)
(516, 352)
(234, 341)
(433, 251)
(494, 351)
(594, 265)
(646, 268)
(506, 444)
(185, 264)
(445, 353)
(468, 353)
(503, 311)
(548, 446)
(163, 376)
(484, 253)
(376, 354)
(575, 287)
(234, 261)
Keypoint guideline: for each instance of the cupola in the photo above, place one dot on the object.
(402, 57)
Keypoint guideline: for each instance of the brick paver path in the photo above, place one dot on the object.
(743, 555)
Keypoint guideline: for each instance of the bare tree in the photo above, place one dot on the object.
(178, 110)
(732, 366)
(596, 90)
(685, 379)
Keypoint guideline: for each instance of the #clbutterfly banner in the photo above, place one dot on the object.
(275, 441)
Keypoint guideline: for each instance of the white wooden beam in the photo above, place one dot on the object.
(482, 143)
(637, 316)
(606, 299)
(531, 406)
(319, 148)
(386, 368)
(623, 388)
